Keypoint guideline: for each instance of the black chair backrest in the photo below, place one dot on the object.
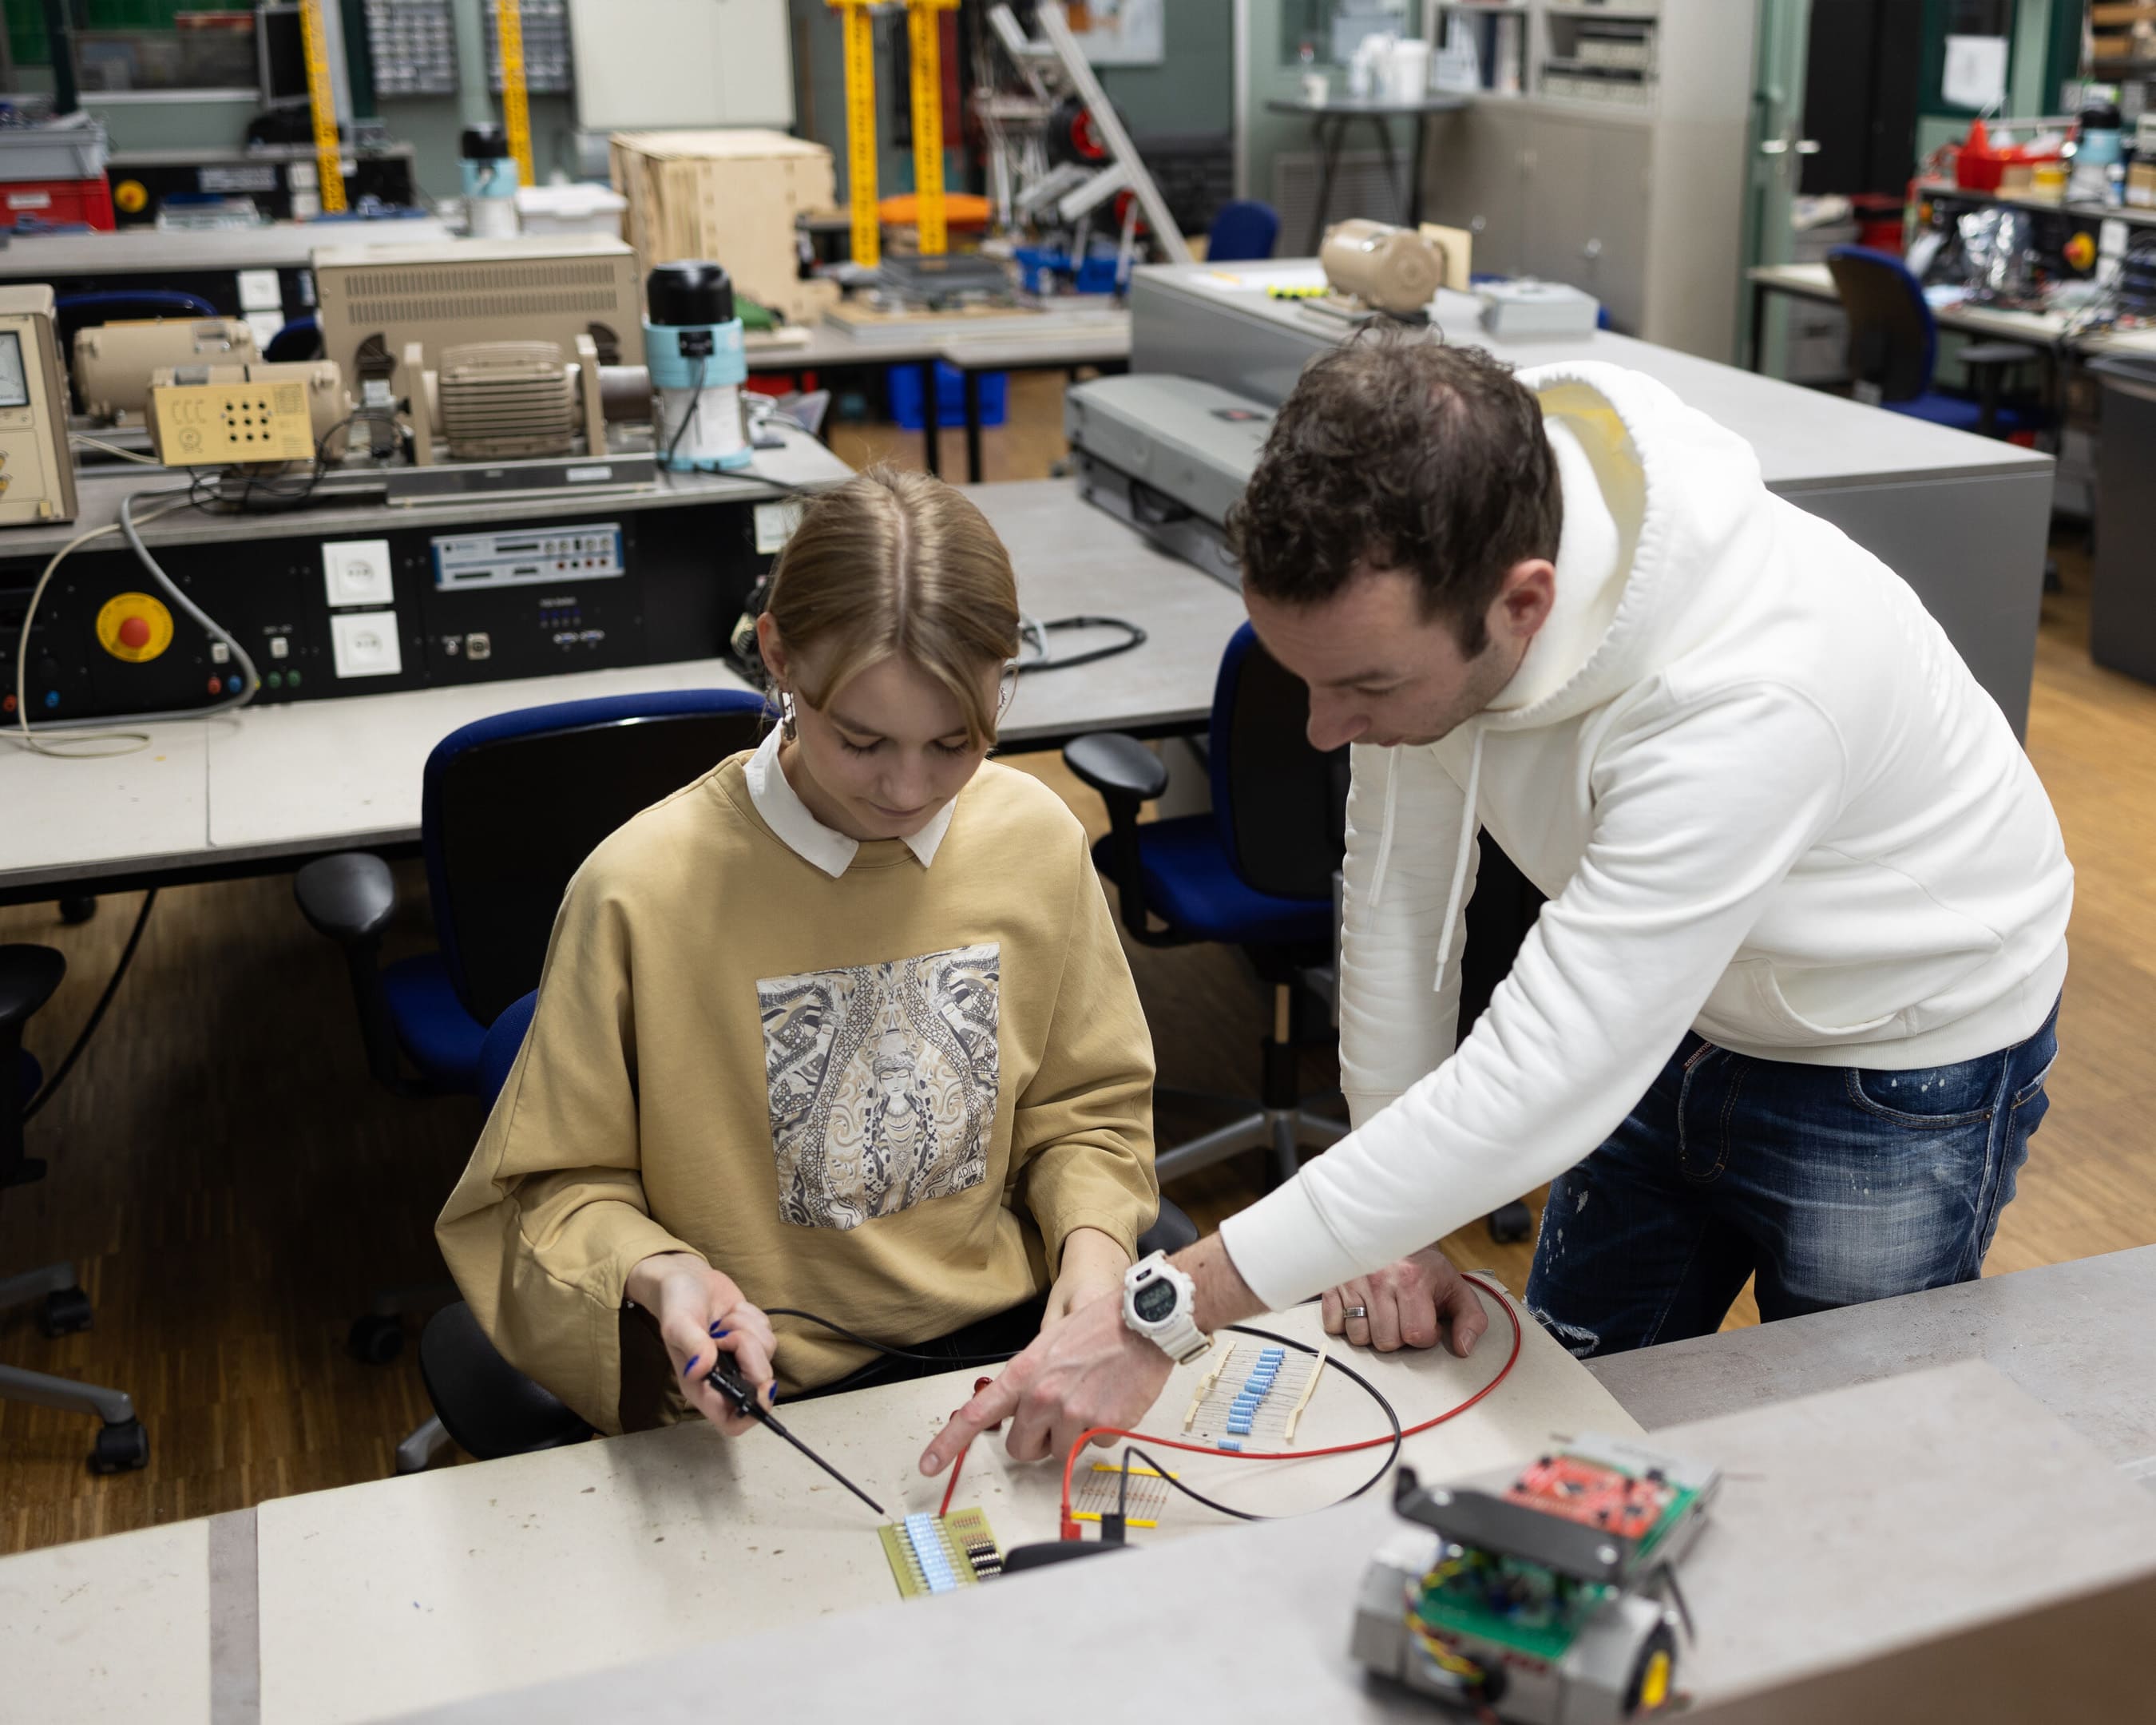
(1893, 338)
(1284, 804)
(514, 819)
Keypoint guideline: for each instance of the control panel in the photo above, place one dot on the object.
(324, 614)
(37, 478)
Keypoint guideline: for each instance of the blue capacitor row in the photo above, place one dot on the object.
(1255, 1388)
(926, 1538)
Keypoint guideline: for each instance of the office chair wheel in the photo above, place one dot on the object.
(120, 1448)
(64, 1313)
(374, 1340)
(1510, 1223)
(78, 909)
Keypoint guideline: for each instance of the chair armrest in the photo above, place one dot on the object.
(349, 897)
(1998, 353)
(1126, 773)
(29, 975)
(1117, 766)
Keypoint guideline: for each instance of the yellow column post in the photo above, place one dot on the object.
(328, 154)
(516, 109)
(861, 130)
(924, 35)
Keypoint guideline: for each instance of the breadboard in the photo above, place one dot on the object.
(1253, 1397)
(938, 1554)
(199, 424)
(1143, 1501)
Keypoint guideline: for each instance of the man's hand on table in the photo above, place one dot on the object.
(1409, 1304)
(702, 1314)
(1090, 1369)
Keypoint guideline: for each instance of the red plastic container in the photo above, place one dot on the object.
(56, 202)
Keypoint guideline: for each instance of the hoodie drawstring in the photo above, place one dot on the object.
(1461, 857)
(1384, 840)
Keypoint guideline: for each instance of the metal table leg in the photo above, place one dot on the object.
(1414, 170)
(1328, 158)
(973, 380)
(1392, 162)
(1757, 358)
(931, 427)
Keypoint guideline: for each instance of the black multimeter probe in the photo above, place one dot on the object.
(745, 1403)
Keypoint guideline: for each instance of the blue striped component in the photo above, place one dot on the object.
(926, 1536)
(1228, 1444)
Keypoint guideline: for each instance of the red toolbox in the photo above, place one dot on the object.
(56, 202)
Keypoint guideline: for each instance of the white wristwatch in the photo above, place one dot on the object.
(1158, 1300)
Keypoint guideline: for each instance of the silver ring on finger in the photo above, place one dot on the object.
(1361, 1312)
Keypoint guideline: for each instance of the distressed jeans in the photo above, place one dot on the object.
(1831, 1184)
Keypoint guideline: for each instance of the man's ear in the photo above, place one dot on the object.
(1524, 602)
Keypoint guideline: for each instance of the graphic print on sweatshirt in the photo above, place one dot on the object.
(883, 1081)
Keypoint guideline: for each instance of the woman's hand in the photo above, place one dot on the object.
(1093, 1265)
(701, 1314)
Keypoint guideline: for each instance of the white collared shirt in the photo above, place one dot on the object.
(807, 837)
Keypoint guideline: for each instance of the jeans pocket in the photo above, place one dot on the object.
(1928, 1098)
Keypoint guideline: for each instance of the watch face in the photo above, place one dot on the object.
(1155, 1301)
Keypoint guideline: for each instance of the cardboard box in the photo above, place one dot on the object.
(731, 197)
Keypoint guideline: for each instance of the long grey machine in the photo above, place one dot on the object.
(1216, 347)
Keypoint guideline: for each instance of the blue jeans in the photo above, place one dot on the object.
(1832, 1184)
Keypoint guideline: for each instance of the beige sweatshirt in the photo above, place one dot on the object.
(882, 1085)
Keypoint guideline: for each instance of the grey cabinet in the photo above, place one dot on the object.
(1477, 177)
(1587, 210)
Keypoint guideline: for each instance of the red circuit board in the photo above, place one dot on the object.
(1599, 1496)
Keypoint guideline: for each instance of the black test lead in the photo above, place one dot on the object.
(743, 1401)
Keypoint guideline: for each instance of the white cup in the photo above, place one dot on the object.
(1315, 88)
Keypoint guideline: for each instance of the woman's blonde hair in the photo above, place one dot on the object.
(898, 563)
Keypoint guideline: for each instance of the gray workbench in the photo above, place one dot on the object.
(271, 785)
(2080, 1338)
(151, 251)
(1963, 518)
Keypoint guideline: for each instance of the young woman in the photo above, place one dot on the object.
(844, 1026)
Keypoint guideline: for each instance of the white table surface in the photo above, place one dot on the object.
(1084, 335)
(468, 1580)
(108, 1629)
(1850, 1526)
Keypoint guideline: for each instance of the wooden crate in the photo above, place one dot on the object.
(731, 197)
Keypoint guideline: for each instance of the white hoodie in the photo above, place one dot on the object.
(1766, 799)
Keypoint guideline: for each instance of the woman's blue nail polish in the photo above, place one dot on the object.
(690, 1370)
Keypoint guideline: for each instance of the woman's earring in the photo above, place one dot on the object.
(786, 723)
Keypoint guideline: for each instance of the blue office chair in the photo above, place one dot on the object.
(510, 808)
(1258, 871)
(483, 1402)
(1894, 344)
(1244, 232)
(28, 976)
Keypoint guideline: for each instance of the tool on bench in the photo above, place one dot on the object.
(743, 1401)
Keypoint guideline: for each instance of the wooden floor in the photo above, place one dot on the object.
(233, 1189)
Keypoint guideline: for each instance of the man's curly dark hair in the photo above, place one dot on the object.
(1396, 452)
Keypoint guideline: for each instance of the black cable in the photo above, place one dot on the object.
(1133, 637)
(952, 1360)
(688, 412)
(97, 1013)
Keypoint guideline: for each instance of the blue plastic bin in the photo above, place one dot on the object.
(905, 384)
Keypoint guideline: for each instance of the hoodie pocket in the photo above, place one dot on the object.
(1783, 1020)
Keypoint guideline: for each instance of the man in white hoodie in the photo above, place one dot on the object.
(1790, 1008)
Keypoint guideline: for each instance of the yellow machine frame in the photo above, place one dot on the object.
(924, 37)
(329, 153)
(516, 110)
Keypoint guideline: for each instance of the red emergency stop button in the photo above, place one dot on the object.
(134, 632)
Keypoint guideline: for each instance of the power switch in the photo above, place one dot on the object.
(357, 572)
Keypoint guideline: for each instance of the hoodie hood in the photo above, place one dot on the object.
(1656, 497)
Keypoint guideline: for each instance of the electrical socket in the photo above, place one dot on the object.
(363, 644)
(357, 571)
